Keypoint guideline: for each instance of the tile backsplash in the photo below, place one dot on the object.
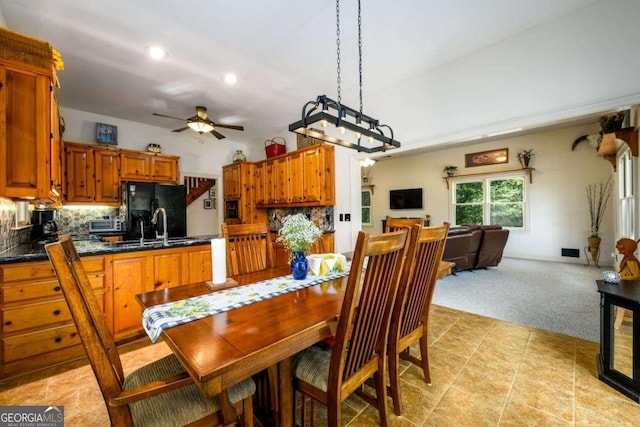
(75, 219)
(8, 237)
(323, 214)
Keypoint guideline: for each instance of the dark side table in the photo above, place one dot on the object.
(619, 358)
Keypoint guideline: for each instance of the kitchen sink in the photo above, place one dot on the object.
(155, 243)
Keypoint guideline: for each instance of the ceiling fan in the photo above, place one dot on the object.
(201, 123)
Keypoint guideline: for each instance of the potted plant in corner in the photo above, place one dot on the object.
(598, 195)
(525, 157)
(450, 170)
(297, 234)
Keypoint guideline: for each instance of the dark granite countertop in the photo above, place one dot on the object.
(87, 247)
(323, 231)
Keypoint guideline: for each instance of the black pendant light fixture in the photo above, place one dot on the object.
(337, 121)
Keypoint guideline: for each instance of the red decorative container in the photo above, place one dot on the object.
(275, 147)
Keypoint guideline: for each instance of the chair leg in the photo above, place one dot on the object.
(334, 411)
(394, 381)
(247, 412)
(381, 394)
(424, 357)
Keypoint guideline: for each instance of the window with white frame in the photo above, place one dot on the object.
(366, 206)
(492, 200)
(626, 195)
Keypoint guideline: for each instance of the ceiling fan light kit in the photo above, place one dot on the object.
(201, 123)
(200, 126)
(369, 134)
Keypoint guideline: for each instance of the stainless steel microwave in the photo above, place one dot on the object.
(105, 225)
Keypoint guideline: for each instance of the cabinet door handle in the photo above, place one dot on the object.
(57, 289)
(84, 157)
(56, 312)
(58, 339)
(110, 160)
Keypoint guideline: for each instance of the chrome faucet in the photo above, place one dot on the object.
(165, 234)
(141, 221)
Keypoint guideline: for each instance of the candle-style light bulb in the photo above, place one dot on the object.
(324, 123)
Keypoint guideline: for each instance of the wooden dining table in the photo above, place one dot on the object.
(221, 350)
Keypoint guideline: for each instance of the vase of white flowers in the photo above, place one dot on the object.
(297, 234)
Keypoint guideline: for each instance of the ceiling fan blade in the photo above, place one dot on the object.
(230, 127)
(180, 129)
(217, 134)
(168, 117)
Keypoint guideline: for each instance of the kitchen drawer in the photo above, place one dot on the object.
(32, 344)
(43, 289)
(30, 316)
(43, 269)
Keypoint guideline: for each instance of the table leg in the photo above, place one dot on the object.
(285, 396)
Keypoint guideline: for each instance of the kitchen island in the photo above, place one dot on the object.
(37, 329)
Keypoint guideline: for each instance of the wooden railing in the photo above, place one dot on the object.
(197, 186)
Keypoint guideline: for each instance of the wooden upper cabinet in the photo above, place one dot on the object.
(25, 131)
(232, 187)
(270, 179)
(134, 166)
(282, 180)
(297, 184)
(107, 176)
(261, 188)
(164, 169)
(57, 176)
(328, 178)
(80, 181)
(92, 174)
(304, 177)
(141, 166)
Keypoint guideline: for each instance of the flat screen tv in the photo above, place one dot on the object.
(405, 199)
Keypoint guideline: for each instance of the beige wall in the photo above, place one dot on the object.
(558, 214)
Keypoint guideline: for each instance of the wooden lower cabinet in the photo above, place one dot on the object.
(37, 330)
(146, 271)
(132, 274)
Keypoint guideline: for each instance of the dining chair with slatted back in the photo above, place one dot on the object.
(410, 316)
(393, 224)
(248, 248)
(330, 374)
(161, 393)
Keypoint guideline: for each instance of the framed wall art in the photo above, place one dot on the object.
(106, 134)
(484, 158)
(208, 203)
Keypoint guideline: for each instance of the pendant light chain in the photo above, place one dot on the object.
(338, 50)
(360, 51)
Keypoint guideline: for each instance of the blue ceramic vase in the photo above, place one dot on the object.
(299, 266)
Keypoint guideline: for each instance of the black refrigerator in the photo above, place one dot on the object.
(141, 199)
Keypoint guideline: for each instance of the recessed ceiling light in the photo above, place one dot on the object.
(156, 52)
(230, 78)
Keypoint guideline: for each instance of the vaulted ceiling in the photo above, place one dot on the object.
(283, 52)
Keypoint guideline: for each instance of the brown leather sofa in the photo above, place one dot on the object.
(462, 247)
(474, 246)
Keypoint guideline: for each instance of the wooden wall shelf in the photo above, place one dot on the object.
(369, 186)
(528, 171)
(630, 137)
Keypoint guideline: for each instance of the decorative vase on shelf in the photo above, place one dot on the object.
(299, 266)
(239, 157)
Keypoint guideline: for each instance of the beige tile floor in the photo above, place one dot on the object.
(485, 372)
